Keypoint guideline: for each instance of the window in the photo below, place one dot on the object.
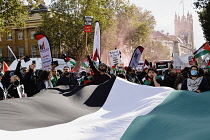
(20, 35)
(0, 54)
(10, 56)
(21, 51)
(33, 51)
(9, 36)
(32, 33)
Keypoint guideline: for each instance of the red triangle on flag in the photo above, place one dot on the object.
(5, 67)
(95, 55)
(68, 58)
(206, 46)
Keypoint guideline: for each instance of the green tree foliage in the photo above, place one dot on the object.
(13, 12)
(155, 50)
(203, 7)
(121, 24)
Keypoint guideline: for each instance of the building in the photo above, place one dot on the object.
(22, 41)
(183, 40)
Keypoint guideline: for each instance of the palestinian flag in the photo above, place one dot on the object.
(146, 64)
(5, 67)
(72, 62)
(85, 64)
(204, 49)
(113, 110)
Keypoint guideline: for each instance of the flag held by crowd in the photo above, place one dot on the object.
(136, 57)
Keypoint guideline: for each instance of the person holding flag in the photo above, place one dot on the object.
(100, 75)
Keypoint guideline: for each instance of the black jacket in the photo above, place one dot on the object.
(30, 83)
(67, 80)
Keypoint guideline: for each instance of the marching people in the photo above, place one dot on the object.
(14, 90)
(169, 80)
(195, 82)
(100, 74)
(30, 81)
(131, 75)
(55, 77)
(67, 78)
(44, 80)
(151, 78)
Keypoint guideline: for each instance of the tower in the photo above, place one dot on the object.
(184, 28)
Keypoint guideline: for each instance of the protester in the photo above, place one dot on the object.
(131, 75)
(55, 77)
(67, 78)
(44, 80)
(2, 88)
(151, 78)
(170, 79)
(195, 82)
(30, 80)
(100, 75)
(178, 82)
(18, 71)
(13, 87)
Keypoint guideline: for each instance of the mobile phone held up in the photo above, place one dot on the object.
(27, 58)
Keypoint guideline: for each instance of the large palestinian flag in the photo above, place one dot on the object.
(114, 110)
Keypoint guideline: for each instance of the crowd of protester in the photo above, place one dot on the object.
(26, 82)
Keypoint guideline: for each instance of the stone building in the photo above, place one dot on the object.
(183, 40)
(22, 41)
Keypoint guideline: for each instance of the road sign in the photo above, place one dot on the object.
(88, 28)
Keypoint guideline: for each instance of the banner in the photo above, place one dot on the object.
(192, 60)
(162, 65)
(136, 57)
(97, 43)
(45, 52)
(115, 57)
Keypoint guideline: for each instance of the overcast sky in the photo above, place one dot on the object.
(164, 11)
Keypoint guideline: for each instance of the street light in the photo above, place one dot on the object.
(59, 51)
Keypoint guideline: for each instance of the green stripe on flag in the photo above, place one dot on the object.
(183, 115)
(201, 53)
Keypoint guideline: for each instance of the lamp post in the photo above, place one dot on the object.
(59, 47)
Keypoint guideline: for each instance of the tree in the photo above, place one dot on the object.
(203, 7)
(153, 49)
(121, 24)
(13, 12)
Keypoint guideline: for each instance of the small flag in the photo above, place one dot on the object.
(114, 68)
(146, 64)
(5, 67)
(71, 61)
(85, 64)
(204, 49)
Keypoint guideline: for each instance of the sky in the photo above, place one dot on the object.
(164, 11)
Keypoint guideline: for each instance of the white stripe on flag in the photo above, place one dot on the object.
(122, 106)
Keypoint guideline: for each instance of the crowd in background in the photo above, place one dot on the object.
(26, 82)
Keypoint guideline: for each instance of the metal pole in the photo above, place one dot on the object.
(86, 41)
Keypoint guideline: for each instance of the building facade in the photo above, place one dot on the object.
(22, 41)
(183, 40)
